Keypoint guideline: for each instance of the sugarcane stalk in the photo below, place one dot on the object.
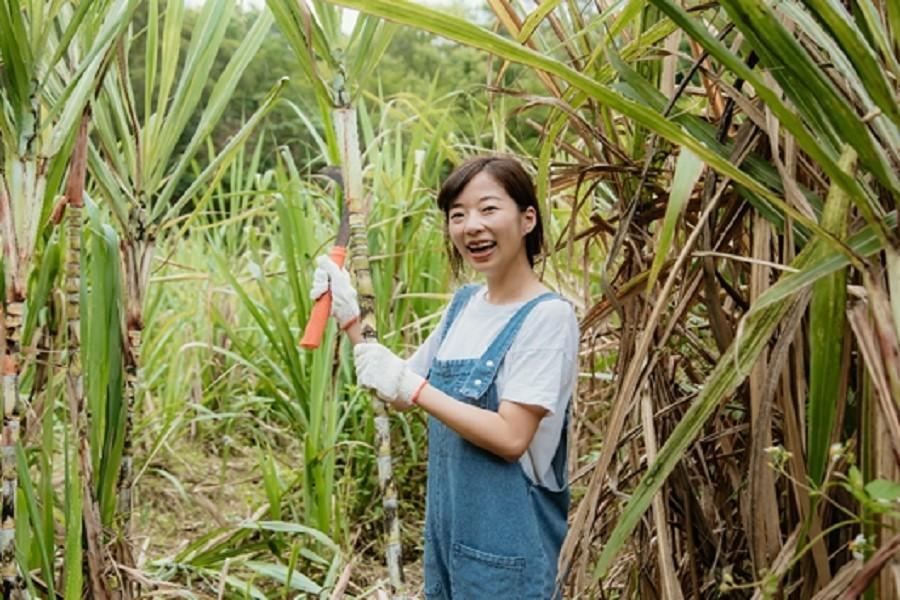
(346, 129)
(98, 565)
(11, 579)
(137, 253)
(17, 253)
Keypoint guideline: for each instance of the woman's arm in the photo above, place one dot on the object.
(506, 433)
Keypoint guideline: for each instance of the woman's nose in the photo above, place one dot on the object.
(473, 223)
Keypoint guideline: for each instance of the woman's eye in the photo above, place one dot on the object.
(456, 216)
(489, 209)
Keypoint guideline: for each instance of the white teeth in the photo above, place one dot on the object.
(480, 246)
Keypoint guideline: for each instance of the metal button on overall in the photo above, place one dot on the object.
(490, 533)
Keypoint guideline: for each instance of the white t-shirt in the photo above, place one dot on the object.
(539, 367)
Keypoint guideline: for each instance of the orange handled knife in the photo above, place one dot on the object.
(318, 318)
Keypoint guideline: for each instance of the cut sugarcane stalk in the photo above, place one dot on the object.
(345, 126)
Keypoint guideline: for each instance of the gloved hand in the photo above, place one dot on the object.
(328, 275)
(383, 371)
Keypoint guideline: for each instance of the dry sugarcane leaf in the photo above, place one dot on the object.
(871, 569)
(840, 581)
(867, 340)
(779, 566)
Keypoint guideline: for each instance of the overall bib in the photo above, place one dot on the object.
(490, 533)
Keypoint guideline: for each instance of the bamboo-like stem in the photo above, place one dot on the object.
(97, 561)
(17, 259)
(11, 579)
(137, 252)
(345, 125)
(126, 475)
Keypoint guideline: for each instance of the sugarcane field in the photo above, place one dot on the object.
(450, 299)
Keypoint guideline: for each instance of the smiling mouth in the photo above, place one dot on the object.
(477, 249)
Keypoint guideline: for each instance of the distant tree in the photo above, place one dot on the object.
(414, 63)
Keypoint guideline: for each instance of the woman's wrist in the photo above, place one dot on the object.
(354, 332)
(414, 399)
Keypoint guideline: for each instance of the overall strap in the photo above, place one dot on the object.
(460, 299)
(485, 369)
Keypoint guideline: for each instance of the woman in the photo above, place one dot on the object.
(495, 377)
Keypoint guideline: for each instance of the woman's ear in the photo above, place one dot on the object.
(529, 219)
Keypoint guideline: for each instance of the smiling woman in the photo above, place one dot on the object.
(490, 200)
(496, 378)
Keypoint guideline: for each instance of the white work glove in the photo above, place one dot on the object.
(386, 373)
(328, 275)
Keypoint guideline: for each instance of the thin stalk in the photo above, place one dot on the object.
(11, 579)
(348, 140)
(74, 371)
(137, 254)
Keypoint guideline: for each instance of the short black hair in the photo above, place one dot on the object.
(510, 174)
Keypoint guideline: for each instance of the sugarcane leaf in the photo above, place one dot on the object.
(112, 189)
(206, 40)
(286, 527)
(33, 515)
(864, 243)
(687, 172)
(72, 568)
(368, 42)
(166, 211)
(271, 485)
(244, 587)
(402, 11)
(169, 59)
(279, 573)
(732, 369)
(790, 121)
(47, 486)
(151, 56)
(17, 59)
(823, 107)
(297, 23)
(218, 100)
(878, 32)
(826, 334)
(101, 335)
(811, 265)
(70, 104)
(320, 143)
(535, 17)
(43, 285)
(71, 29)
(843, 28)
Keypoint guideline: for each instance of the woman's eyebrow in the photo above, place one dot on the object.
(459, 203)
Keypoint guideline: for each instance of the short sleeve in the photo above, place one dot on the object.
(540, 366)
(420, 362)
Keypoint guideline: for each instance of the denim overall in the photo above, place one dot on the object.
(490, 533)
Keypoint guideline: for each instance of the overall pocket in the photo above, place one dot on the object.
(479, 575)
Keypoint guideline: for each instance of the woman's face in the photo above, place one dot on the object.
(487, 228)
